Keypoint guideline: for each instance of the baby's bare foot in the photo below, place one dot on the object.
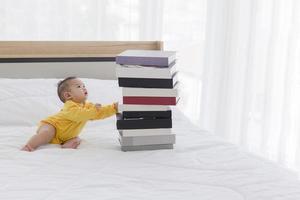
(27, 148)
(72, 143)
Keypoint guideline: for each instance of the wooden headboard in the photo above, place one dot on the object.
(58, 59)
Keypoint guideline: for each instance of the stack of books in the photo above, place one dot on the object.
(149, 87)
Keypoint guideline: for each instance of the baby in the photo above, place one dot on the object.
(64, 127)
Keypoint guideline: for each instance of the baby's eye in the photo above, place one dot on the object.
(78, 86)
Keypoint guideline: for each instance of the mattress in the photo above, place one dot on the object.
(201, 166)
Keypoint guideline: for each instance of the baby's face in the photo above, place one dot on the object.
(77, 91)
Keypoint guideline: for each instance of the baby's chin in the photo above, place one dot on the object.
(85, 99)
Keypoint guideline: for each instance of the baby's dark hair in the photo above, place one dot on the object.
(62, 86)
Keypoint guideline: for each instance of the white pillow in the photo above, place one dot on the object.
(27, 101)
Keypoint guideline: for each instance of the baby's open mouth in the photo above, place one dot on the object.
(86, 93)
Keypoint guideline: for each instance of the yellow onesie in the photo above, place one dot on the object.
(72, 118)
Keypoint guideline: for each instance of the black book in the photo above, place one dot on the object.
(148, 82)
(147, 114)
(142, 123)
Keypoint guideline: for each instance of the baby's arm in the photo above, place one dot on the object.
(106, 111)
(75, 112)
(90, 111)
(116, 105)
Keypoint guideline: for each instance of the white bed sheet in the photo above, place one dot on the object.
(200, 167)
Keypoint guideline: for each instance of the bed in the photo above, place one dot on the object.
(201, 166)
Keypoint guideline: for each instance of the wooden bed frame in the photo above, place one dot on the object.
(58, 59)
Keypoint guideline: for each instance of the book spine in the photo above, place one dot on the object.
(149, 100)
(145, 82)
(134, 107)
(145, 132)
(143, 72)
(147, 140)
(153, 92)
(146, 147)
(147, 114)
(143, 123)
(150, 61)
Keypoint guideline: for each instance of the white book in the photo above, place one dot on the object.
(146, 147)
(135, 107)
(150, 92)
(145, 132)
(147, 140)
(137, 71)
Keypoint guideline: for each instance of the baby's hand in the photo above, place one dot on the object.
(98, 106)
(116, 106)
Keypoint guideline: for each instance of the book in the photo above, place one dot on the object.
(145, 132)
(148, 82)
(133, 107)
(146, 57)
(147, 114)
(146, 147)
(150, 100)
(149, 92)
(137, 71)
(147, 140)
(140, 123)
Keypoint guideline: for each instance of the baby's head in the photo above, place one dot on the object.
(72, 88)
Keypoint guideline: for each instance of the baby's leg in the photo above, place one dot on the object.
(72, 143)
(44, 135)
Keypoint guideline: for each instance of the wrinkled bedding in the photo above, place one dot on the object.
(200, 166)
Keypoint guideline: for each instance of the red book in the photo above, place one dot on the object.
(150, 100)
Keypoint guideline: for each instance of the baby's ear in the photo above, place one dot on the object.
(67, 95)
